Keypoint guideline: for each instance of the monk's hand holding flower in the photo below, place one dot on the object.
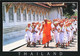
(39, 33)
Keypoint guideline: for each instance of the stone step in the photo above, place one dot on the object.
(13, 35)
(11, 46)
(13, 29)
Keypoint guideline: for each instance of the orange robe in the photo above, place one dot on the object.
(46, 33)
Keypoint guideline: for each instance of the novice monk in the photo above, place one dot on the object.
(71, 31)
(73, 25)
(28, 34)
(65, 34)
(33, 34)
(55, 33)
(58, 28)
(36, 28)
(61, 35)
(39, 36)
(46, 33)
(68, 33)
(52, 33)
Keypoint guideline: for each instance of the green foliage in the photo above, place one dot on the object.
(75, 14)
(68, 11)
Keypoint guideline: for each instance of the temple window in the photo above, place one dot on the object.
(40, 17)
(24, 15)
(33, 16)
(11, 15)
(18, 15)
(29, 16)
(37, 17)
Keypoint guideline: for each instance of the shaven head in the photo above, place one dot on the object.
(45, 20)
(29, 24)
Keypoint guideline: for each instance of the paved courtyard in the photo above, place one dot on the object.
(73, 47)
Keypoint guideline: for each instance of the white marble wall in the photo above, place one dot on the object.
(54, 13)
(7, 24)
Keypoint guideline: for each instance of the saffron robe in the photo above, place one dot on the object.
(46, 33)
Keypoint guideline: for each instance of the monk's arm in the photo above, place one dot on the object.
(26, 29)
(58, 30)
(30, 30)
(53, 30)
(67, 30)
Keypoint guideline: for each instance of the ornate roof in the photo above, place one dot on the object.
(49, 4)
(44, 4)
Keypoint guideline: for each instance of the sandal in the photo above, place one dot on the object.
(47, 46)
(44, 47)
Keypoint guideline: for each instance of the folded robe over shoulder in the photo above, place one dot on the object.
(46, 33)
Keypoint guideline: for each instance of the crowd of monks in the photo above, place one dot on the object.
(62, 31)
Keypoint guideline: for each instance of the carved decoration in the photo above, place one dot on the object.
(23, 8)
(32, 11)
(36, 12)
(28, 10)
(8, 6)
(17, 6)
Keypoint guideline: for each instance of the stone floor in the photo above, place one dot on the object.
(73, 47)
(10, 46)
(12, 40)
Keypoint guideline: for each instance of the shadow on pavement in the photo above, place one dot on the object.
(75, 41)
(71, 46)
(35, 47)
(65, 48)
(51, 47)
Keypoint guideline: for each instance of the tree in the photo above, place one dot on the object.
(68, 10)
